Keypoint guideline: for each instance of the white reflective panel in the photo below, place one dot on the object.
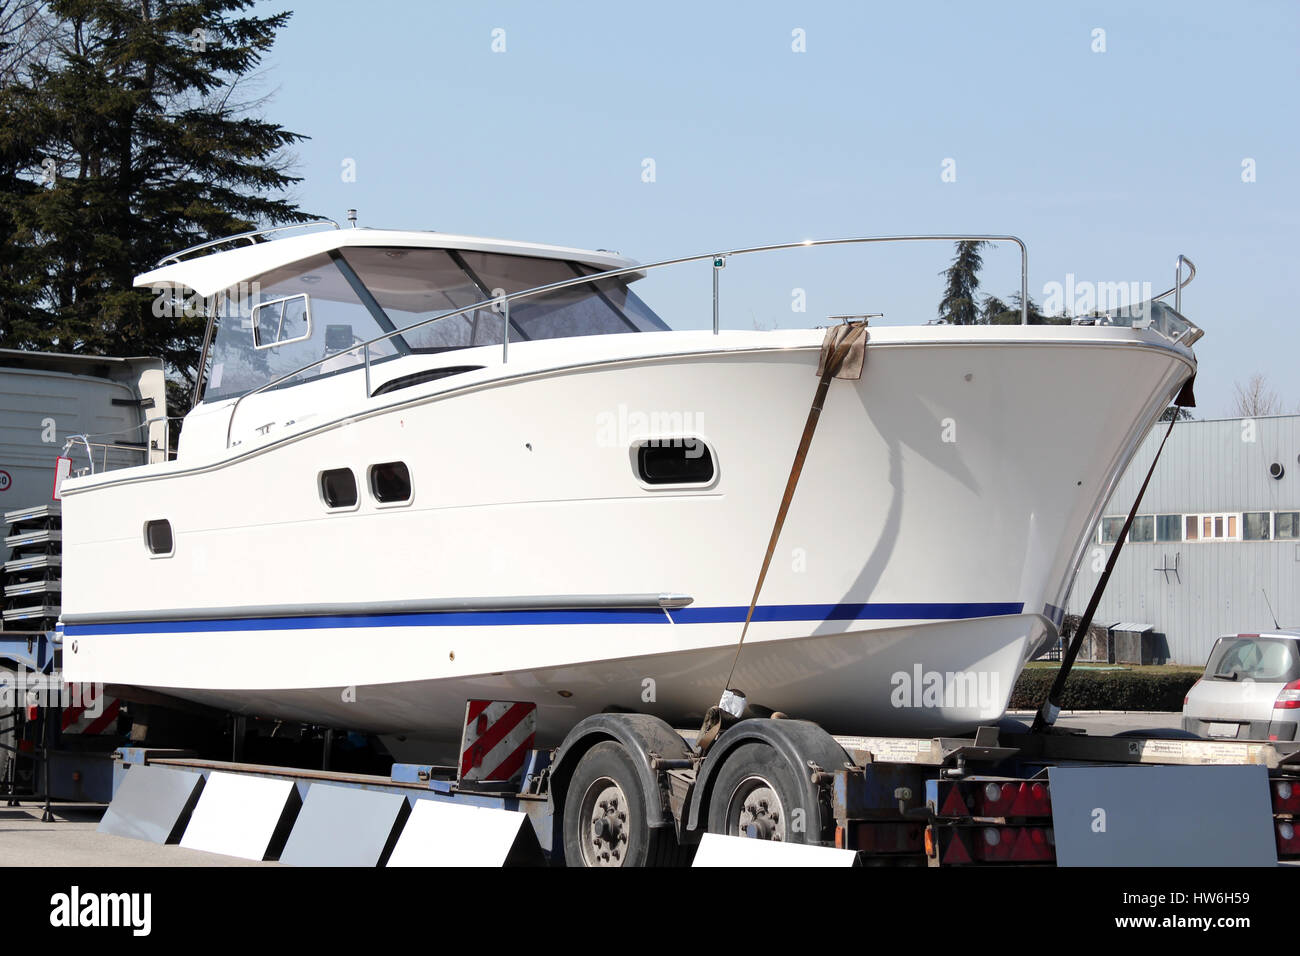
(444, 833)
(242, 816)
(718, 850)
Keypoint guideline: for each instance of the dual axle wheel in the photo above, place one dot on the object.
(757, 793)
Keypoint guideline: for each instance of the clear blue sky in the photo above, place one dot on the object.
(1108, 164)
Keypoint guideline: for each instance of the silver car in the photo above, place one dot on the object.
(1250, 689)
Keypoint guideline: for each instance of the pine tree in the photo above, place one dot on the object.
(958, 304)
(121, 142)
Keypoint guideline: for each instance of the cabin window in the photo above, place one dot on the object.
(282, 321)
(390, 482)
(338, 488)
(158, 537)
(415, 284)
(586, 309)
(1144, 529)
(1286, 525)
(677, 461)
(321, 308)
(288, 318)
(1169, 527)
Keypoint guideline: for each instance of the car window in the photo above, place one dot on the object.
(1254, 658)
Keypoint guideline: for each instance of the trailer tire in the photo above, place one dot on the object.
(606, 822)
(757, 794)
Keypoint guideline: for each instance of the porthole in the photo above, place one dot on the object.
(158, 537)
(677, 461)
(338, 488)
(390, 482)
(1276, 470)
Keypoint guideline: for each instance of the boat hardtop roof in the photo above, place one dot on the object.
(209, 274)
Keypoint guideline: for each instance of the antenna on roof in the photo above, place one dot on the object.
(352, 217)
(1276, 625)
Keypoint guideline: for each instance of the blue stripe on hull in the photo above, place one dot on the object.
(687, 615)
(842, 612)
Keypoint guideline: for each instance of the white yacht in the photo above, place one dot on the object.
(411, 479)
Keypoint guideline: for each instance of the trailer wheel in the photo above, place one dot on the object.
(757, 794)
(605, 819)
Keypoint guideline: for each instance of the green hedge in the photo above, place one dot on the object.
(1137, 689)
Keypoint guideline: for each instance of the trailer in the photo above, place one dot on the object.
(628, 790)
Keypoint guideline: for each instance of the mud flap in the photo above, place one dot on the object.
(1162, 816)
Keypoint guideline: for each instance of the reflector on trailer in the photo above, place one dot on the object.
(495, 742)
(952, 847)
(717, 850)
(952, 804)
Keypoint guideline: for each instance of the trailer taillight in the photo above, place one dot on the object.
(959, 845)
(1286, 797)
(1288, 840)
(1013, 799)
(1189, 692)
(1289, 699)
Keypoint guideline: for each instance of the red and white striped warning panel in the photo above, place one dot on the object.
(498, 735)
(87, 713)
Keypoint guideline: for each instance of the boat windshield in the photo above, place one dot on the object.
(328, 304)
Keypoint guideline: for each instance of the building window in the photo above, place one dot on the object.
(1220, 527)
(1169, 527)
(1255, 526)
(1110, 529)
(1286, 525)
(1144, 528)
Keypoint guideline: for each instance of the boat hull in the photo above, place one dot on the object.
(946, 501)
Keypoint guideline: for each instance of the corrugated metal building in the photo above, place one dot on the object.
(1219, 522)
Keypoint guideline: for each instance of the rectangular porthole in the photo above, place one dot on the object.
(338, 488)
(158, 537)
(679, 461)
(390, 482)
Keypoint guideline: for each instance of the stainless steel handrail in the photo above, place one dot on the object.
(147, 449)
(85, 441)
(251, 235)
(504, 300)
(1179, 283)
